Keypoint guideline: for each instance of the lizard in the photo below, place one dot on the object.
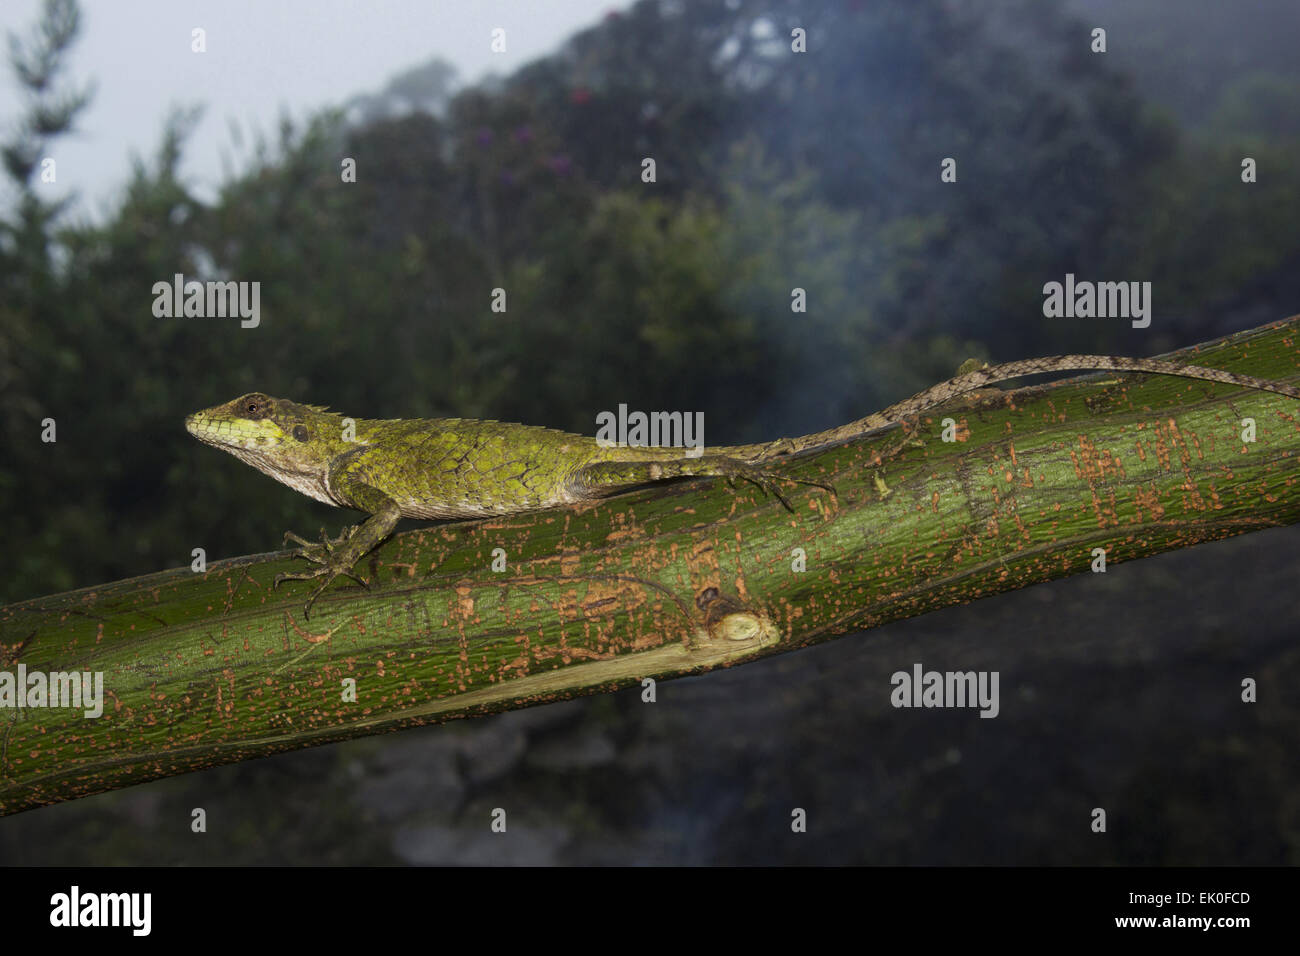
(454, 468)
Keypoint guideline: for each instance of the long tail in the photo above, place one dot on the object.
(938, 394)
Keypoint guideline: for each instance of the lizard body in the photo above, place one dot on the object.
(441, 468)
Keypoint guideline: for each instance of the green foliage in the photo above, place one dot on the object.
(775, 171)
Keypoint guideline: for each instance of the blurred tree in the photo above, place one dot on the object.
(776, 170)
(31, 302)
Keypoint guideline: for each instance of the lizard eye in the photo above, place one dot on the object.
(300, 432)
(255, 406)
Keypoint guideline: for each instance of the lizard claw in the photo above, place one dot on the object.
(767, 481)
(332, 561)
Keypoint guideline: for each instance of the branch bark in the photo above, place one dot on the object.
(211, 668)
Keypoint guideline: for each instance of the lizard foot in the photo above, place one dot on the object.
(768, 481)
(334, 560)
(605, 477)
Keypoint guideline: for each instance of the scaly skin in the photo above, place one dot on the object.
(461, 468)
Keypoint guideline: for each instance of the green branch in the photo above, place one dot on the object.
(201, 669)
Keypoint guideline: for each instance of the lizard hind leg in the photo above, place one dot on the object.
(608, 477)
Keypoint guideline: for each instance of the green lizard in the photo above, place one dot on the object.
(461, 468)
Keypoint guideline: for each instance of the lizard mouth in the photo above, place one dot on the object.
(217, 433)
(200, 429)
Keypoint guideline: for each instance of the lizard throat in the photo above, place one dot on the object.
(309, 483)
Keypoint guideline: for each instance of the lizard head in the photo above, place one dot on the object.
(292, 443)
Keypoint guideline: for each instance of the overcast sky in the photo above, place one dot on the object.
(262, 56)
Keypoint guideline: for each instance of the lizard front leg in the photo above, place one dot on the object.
(336, 557)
